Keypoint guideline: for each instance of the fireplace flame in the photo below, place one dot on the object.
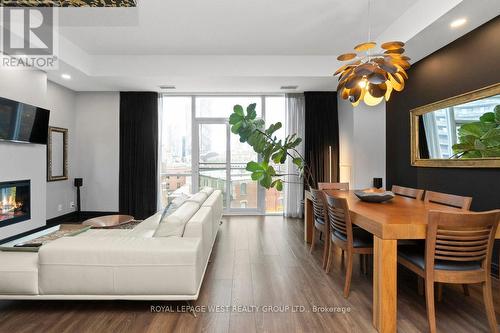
(9, 204)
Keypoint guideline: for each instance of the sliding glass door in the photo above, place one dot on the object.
(220, 163)
(198, 150)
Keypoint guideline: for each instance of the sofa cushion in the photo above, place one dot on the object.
(174, 205)
(174, 224)
(199, 198)
(121, 266)
(200, 226)
(151, 223)
(215, 202)
(207, 190)
(18, 273)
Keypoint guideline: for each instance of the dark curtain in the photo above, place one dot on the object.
(138, 153)
(322, 132)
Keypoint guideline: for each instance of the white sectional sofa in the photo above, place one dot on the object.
(120, 264)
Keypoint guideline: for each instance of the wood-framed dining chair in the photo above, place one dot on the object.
(333, 186)
(412, 193)
(446, 199)
(450, 200)
(351, 239)
(407, 192)
(320, 222)
(458, 249)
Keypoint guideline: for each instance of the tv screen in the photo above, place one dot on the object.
(23, 122)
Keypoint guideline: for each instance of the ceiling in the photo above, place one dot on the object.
(252, 46)
(278, 27)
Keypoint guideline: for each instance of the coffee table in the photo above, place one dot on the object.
(108, 221)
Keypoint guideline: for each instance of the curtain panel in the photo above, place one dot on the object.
(294, 186)
(322, 136)
(138, 153)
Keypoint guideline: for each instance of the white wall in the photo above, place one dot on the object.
(25, 161)
(60, 194)
(362, 143)
(97, 146)
(92, 120)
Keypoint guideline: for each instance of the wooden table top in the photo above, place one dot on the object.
(108, 221)
(399, 218)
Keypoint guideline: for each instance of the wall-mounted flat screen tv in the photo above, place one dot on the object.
(20, 122)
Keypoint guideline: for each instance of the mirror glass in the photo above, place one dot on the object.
(463, 131)
(57, 165)
(57, 154)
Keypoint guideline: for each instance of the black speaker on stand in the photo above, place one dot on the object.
(78, 184)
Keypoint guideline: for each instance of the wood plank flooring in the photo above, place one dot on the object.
(258, 261)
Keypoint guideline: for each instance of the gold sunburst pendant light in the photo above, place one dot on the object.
(371, 78)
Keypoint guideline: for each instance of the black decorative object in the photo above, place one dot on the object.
(374, 196)
(69, 3)
(377, 182)
(78, 184)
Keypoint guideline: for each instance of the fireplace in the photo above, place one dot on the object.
(15, 203)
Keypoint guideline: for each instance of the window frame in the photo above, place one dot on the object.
(195, 121)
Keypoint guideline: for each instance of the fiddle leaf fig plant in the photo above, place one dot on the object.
(253, 131)
(481, 138)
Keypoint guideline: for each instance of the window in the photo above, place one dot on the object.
(243, 189)
(198, 149)
(222, 106)
(275, 112)
(175, 147)
(441, 126)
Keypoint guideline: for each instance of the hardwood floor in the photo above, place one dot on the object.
(258, 261)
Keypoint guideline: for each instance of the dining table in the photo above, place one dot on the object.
(401, 218)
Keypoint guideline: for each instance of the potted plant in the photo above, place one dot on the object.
(253, 131)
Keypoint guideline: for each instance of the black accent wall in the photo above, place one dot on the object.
(469, 63)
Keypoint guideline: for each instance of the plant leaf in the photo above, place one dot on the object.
(298, 162)
(251, 113)
(238, 109)
(476, 129)
(497, 114)
(254, 167)
(488, 117)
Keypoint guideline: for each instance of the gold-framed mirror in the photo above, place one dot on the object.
(458, 132)
(57, 154)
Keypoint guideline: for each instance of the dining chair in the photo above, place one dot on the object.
(407, 192)
(458, 249)
(450, 200)
(351, 239)
(446, 199)
(411, 193)
(333, 186)
(320, 225)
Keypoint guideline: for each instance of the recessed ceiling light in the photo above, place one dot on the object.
(289, 87)
(167, 87)
(458, 22)
(66, 76)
